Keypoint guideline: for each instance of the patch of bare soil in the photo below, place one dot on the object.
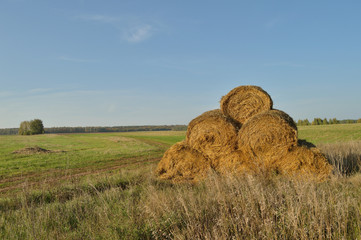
(34, 150)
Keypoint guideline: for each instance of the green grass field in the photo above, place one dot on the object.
(77, 154)
(102, 186)
(330, 133)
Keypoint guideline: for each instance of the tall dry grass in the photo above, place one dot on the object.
(255, 208)
(344, 156)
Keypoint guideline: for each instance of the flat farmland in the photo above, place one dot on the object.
(102, 186)
(70, 155)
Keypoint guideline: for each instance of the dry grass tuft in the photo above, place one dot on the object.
(345, 157)
(243, 102)
(253, 207)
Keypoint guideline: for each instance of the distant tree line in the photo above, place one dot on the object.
(9, 131)
(319, 121)
(115, 129)
(13, 131)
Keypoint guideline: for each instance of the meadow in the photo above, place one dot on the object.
(102, 186)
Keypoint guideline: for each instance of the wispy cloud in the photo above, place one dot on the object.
(138, 34)
(132, 29)
(283, 64)
(79, 60)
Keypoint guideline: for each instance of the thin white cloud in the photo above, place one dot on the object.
(138, 34)
(133, 29)
(79, 60)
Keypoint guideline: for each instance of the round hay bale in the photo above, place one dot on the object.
(212, 134)
(268, 133)
(243, 102)
(303, 161)
(182, 163)
(238, 162)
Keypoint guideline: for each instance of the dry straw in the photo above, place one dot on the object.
(268, 133)
(243, 102)
(182, 163)
(246, 136)
(212, 134)
(236, 162)
(303, 161)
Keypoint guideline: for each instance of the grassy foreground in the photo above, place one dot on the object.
(101, 186)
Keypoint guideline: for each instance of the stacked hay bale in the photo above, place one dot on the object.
(182, 163)
(245, 136)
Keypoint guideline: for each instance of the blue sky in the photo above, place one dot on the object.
(111, 63)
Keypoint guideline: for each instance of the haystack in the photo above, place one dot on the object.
(239, 161)
(245, 136)
(304, 161)
(243, 102)
(212, 134)
(268, 133)
(182, 163)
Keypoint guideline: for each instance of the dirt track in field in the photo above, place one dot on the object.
(55, 176)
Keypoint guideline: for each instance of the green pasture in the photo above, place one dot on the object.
(77, 153)
(330, 133)
(71, 151)
(84, 150)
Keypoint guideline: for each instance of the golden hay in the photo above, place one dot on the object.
(304, 161)
(246, 136)
(239, 161)
(243, 102)
(268, 133)
(182, 163)
(212, 134)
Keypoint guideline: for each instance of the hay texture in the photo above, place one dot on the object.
(236, 162)
(303, 161)
(212, 134)
(182, 163)
(246, 136)
(243, 102)
(268, 133)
